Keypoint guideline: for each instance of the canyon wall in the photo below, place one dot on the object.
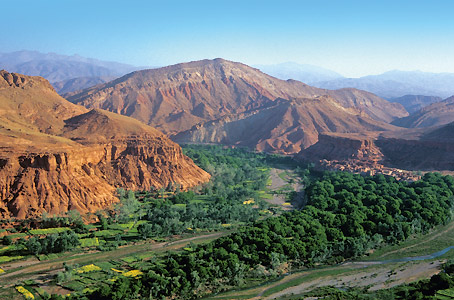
(85, 179)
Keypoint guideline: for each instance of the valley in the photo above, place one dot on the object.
(126, 246)
(125, 241)
(280, 190)
(227, 150)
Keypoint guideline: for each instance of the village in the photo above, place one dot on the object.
(370, 168)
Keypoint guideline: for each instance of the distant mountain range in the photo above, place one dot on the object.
(389, 85)
(61, 70)
(308, 74)
(394, 84)
(79, 83)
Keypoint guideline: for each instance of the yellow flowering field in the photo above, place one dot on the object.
(25, 292)
(116, 270)
(250, 201)
(88, 268)
(133, 273)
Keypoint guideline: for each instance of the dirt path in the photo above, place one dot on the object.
(31, 268)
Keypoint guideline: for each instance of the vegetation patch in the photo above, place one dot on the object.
(133, 273)
(48, 230)
(4, 259)
(88, 268)
(26, 293)
(89, 242)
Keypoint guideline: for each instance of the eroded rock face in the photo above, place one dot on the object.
(343, 148)
(80, 160)
(431, 149)
(418, 154)
(86, 179)
(35, 183)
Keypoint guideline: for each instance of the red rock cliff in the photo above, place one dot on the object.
(56, 156)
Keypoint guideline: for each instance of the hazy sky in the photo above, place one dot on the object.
(354, 38)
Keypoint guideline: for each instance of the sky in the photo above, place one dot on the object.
(354, 38)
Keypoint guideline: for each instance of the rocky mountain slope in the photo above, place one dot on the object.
(174, 99)
(56, 156)
(439, 113)
(413, 103)
(287, 126)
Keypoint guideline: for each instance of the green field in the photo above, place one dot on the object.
(48, 231)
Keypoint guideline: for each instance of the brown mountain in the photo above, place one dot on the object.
(287, 126)
(175, 98)
(436, 114)
(56, 156)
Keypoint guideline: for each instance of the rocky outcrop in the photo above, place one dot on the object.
(58, 156)
(431, 149)
(32, 183)
(20, 81)
(86, 179)
(343, 148)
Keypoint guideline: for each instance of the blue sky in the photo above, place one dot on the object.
(354, 38)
